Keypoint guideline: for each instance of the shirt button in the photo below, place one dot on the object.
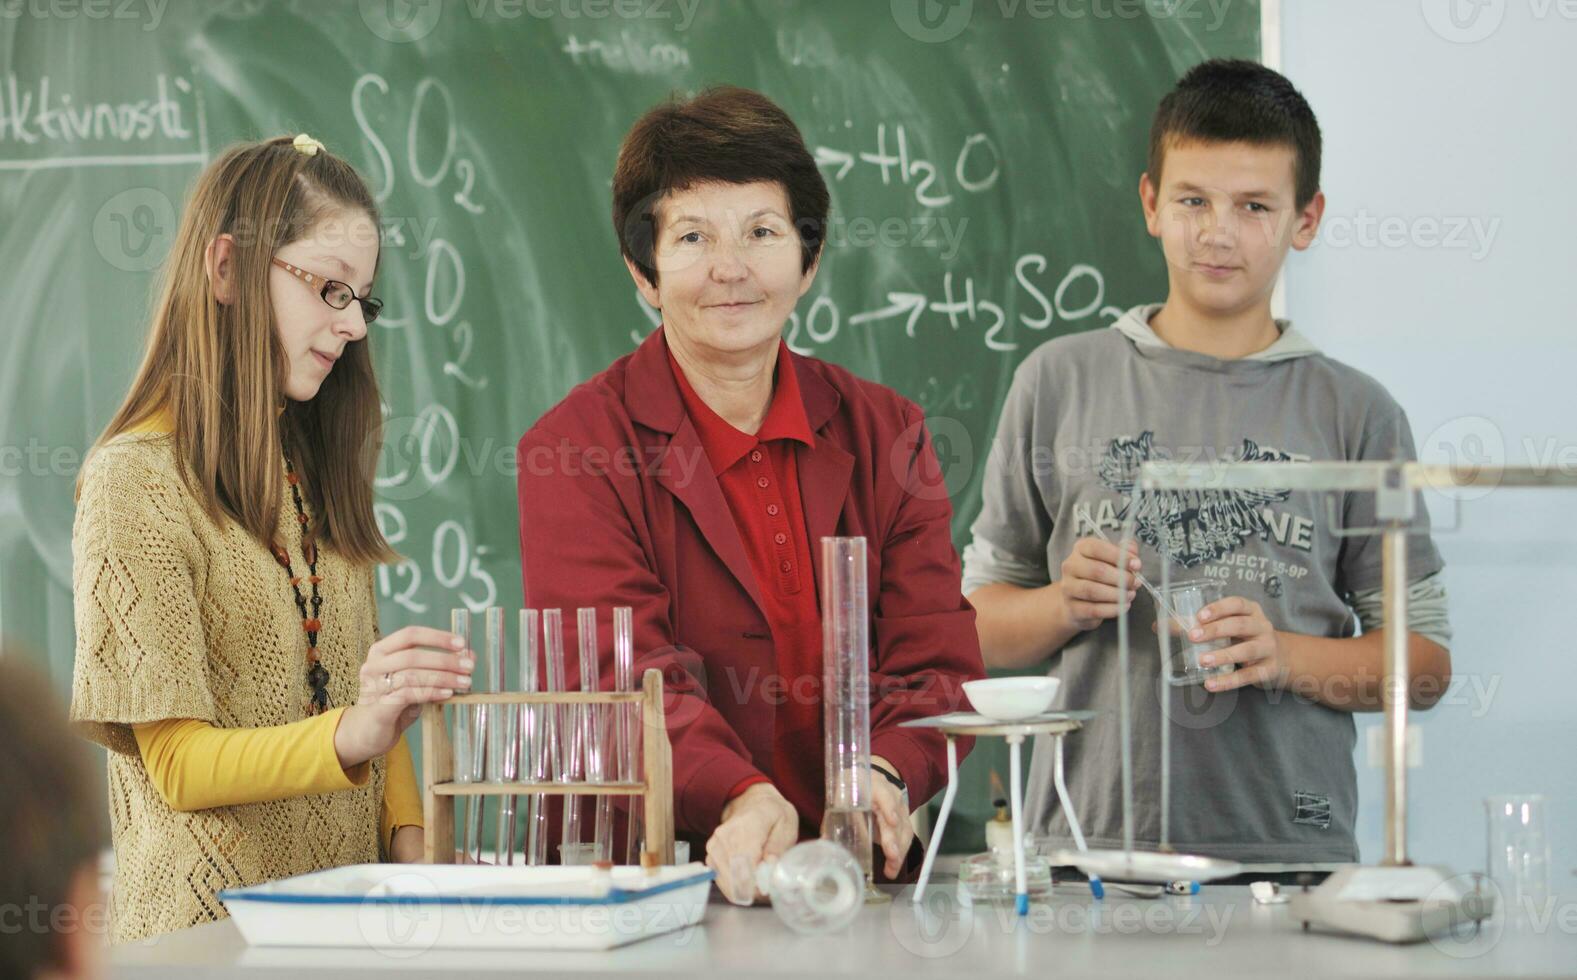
(772, 510)
(780, 538)
(787, 566)
(755, 457)
(763, 483)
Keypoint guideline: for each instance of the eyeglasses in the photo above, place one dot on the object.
(334, 292)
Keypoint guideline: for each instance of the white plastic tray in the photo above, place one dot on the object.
(415, 907)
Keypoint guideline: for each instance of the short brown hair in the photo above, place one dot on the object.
(219, 370)
(1235, 101)
(51, 817)
(726, 134)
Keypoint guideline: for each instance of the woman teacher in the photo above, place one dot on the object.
(694, 478)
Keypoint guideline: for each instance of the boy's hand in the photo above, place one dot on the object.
(1259, 655)
(1089, 581)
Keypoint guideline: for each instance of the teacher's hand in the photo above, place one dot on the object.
(894, 823)
(758, 825)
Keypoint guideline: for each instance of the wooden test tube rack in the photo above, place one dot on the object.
(439, 788)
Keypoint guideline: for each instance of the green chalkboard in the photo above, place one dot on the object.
(982, 156)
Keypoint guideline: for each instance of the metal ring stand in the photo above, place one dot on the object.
(1056, 726)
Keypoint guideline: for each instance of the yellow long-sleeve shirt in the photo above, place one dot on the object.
(196, 766)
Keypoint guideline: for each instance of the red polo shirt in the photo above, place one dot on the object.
(759, 477)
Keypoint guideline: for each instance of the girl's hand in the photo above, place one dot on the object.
(409, 845)
(403, 671)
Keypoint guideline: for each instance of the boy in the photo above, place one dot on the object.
(1262, 762)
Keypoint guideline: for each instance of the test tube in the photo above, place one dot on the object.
(469, 752)
(574, 741)
(594, 719)
(846, 686)
(490, 679)
(503, 731)
(527, 747)
(481, 726)
(557, 718)
(628, 732)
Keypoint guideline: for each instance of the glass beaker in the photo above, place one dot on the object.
(991, 876)
(1518, 857)
(1185, 600)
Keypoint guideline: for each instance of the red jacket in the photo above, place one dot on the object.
(619, 507)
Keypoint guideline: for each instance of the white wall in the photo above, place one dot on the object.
(1463, 126)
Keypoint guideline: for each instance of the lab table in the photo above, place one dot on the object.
(1220, 932)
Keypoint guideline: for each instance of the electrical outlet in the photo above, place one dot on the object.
(1376, 746)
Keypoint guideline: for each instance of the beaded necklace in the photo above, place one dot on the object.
(317, 674)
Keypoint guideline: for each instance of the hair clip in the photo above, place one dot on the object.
(307, 145)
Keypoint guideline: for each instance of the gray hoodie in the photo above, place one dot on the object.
(1257, 775)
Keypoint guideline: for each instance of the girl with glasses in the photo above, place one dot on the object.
(228, 650)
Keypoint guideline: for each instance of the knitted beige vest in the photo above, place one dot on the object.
(177, 617)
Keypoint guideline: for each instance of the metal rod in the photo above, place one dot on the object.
(1096, 887)
(1395, 693)
(1163, 686)
(1062, 794)
(941, 817)
(1016, 800)
(1124, 709)
(1351, 475)
(1164, 612)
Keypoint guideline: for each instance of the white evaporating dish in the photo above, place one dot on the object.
(1012, 698)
